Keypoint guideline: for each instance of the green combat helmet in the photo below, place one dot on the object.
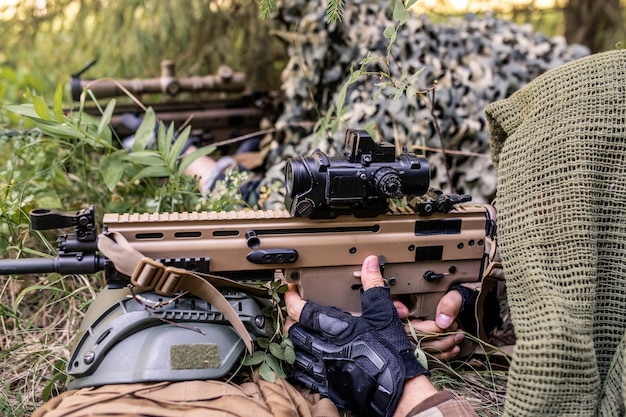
(144, 337)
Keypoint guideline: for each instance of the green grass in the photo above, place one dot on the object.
(39, 318)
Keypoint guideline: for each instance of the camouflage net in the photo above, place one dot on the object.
(559, 150)
(475, 61)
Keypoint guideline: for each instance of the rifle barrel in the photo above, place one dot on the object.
(63, 264)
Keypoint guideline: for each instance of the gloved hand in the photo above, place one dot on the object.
(360, 363)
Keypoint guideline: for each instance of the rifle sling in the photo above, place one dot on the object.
(147, 273)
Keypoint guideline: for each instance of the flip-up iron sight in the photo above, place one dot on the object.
(359, 183)
(77, 251)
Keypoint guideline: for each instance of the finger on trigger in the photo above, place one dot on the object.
(403, 310)
(448, 309)
(294, 302)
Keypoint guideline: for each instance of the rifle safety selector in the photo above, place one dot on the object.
(431, 276)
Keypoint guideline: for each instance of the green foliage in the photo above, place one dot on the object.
(266, 7)
(42, 309)
(334, 10)
(278, 350)
(387, 83)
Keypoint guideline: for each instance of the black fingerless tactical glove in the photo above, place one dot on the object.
(360, 363)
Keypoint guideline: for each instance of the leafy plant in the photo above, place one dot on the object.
(278, 349)
(387, 83)
(155, 158)
(334, 9)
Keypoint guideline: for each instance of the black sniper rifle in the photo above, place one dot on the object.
(213, 119)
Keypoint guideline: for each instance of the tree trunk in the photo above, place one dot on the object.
(595, 23)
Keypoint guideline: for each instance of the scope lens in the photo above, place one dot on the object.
(297, 177)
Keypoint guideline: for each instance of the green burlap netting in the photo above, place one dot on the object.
(559, 148)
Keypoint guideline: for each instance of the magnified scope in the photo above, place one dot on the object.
(359, 182)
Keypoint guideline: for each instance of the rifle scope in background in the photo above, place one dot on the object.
(359, 183)
(225, 80)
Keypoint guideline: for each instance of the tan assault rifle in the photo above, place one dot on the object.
(421, 256)
(337, 214)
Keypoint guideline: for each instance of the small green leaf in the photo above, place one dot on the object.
(163, 143)
(400, 13)
(149, 158)
(152, 172)
(389, 32)
(405, 17)
(411, 91)
(111, 168)
(266, 372)
(275, 365)
(421, 357)
(415, 75)
(277, 350)
(57, 103)
(174, 153)
(290, 355)
(58, 130)
(144, 131)
(398, 93)
(41, 108)
(341, 98)
(256, 358)
(106, 117)
(392, 40)
(27, 110)
(263, 342)
(188, 159)
(267, 311)
(286, 341)
(355, 75)
(398, 10)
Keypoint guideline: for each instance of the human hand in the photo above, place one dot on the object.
(360, 363)
(440, 337)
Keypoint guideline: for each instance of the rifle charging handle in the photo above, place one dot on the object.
(252, 239)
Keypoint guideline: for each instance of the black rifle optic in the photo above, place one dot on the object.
(359, 183)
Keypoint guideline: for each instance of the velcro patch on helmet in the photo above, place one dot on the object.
(195, 356)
